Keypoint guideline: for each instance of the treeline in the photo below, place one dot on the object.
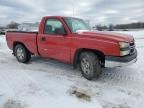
(111, 27)
(12, 25)
(129, 26)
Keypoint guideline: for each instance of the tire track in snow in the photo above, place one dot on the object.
(123, 79)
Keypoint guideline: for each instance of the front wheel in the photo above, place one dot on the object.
(22, 54)
(90, 65)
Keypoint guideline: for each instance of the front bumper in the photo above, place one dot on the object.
(111, 61)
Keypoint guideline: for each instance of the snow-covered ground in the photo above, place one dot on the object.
(45, 83)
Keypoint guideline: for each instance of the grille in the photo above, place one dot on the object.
(132, 47)
(132, 43)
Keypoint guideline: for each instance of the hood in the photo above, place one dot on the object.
(106, 35)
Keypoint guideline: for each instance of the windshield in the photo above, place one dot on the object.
(77, 24)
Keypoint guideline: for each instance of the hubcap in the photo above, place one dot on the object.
(20, 53)
(85, 65)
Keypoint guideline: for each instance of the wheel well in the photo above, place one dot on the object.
(16, 43)
(100, 55)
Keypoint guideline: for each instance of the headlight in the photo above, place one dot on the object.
(124, 44)
(124, 48)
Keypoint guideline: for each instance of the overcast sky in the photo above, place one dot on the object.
(98, 11)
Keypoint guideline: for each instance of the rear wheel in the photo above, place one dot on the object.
(90, 65)
(22, 54)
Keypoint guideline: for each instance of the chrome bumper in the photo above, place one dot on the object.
(112, 64)
(111, 61)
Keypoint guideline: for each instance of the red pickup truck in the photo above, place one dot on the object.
(71, 40)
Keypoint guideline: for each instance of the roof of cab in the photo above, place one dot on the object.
(58, 17)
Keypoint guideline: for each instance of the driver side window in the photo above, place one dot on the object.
(54, 26)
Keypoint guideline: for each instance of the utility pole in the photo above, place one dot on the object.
(73, 9)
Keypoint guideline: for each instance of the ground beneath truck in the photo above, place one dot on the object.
(45, 83)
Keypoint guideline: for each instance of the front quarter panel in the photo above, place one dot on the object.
(107, 47)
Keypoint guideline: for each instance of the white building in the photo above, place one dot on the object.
(28, 27)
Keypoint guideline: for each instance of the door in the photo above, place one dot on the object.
(54, 42)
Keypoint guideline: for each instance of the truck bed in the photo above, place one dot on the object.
(28, 39)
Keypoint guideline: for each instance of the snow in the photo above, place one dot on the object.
(45, 83)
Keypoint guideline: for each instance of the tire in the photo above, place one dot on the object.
(22, 54)
(90, 65)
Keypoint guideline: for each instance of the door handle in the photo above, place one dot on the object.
(43, 39)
